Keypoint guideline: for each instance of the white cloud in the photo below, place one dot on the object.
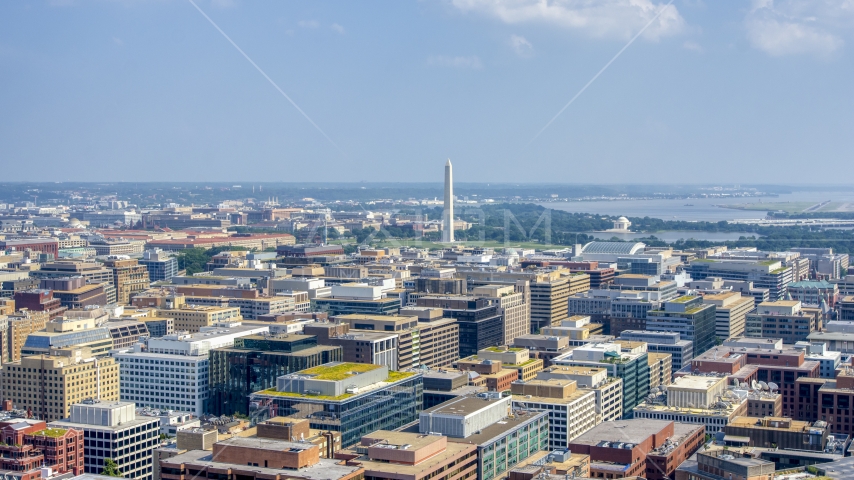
(337, 28)
(521, 45)
(793, 27)
(600, 18)
(693, 46)
(308, 23)
(455, 62)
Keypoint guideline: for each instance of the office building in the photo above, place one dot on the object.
(688, 316)
(387, 455)
(111, 430)
(660, 369)
(496, 377)
(480, 320)
(191, 318)
(515, 308)
(345, 306)
(784, 319)
(359, 346)
(443, 385)
(19, 326)
(731, 309)
(608, 390)
(544, 347)
(333, 396)
(815, 293)
(681, 351)
(632, 368)
(48, 385)
(39, 300)
(129, 278)
(254, 362)
(776, 432)
(257, 458)
(780, 366)
(503, 438)
(518, 359)
(699, 400)
(74, 293)
(161, 265)
(829, 361)
(414, 337)
(173, 372)
(651, 449)
(770, 274)
(572, 410)
(717, 463)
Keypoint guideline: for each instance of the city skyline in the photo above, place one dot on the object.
(756, 88)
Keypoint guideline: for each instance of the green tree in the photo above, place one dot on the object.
(110, 468)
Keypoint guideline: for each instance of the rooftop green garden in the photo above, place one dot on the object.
(683, 299)
(393, 376)
(779, 270)
(340, 371)
(500, 350)
(767, 263)
(523, 364)
(51, 432)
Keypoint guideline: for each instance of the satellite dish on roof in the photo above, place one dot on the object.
(743, 385)
(773, 386)
(754, 385)
(763, 385)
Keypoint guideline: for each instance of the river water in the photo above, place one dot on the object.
(693, 209)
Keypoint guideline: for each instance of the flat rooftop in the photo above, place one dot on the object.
(499, 428)
(261, 443)
(325, 469)
(462, 406)
(625, 431)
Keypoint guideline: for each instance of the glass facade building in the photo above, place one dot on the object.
(254, 363)
(390, 405)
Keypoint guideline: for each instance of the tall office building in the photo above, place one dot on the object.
(448, 214)
(49, 385)
(173, 372)
(688, 316)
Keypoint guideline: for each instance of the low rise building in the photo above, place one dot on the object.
(731, 309)
(660, 370)
(782, 319)
(651, 449)
(411, 456)
(443, 385)
(497, 378)
(696, 400)
(681, 351)
(776, 432)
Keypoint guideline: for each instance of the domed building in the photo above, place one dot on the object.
(622, 223)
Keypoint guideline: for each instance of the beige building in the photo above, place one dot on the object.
(433, 343)
(731, 309)
(513, 359)
(517, 311)
(694, 399)
(191, 319)
(21, 324)
(129, 277)
(572, 410)
(609, 390)
(660, 369)
(49, 384)
(440, 337)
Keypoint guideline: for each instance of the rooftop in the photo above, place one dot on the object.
(325, 469)
(340, 371)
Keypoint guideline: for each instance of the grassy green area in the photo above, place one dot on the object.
(51, 432)
(339, 372)
(394, 376)
(501, 350)
(276, 393)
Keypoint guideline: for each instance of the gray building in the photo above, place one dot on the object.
(112, 430)
(161, 266)
(681, 351)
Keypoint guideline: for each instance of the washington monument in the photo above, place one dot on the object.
(448, 214)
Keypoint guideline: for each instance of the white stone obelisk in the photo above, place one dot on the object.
(448, 215)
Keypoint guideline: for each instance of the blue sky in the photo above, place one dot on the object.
(712, 91)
